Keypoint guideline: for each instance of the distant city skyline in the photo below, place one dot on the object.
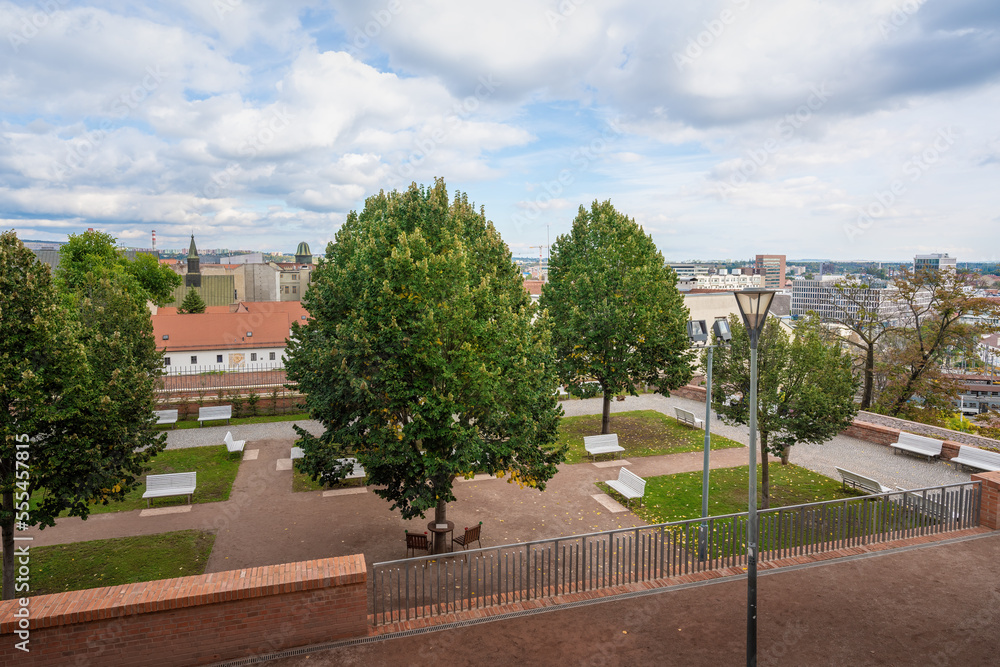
(726, 128)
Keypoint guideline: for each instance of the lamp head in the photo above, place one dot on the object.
(754, 302)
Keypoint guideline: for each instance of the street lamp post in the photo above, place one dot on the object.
(698, 333)
(753, 303)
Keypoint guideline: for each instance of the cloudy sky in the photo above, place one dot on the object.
(865, 129)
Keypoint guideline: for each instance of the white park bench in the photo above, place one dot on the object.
(629, 485)
(172, 484)
(165, 417)
(917, 444)
(973, 457)
(687, 417)
(215, 412)
(866, 484)
(233, 445)
(602, 444)
(356, 473)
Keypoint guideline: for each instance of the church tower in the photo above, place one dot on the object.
(193, 277)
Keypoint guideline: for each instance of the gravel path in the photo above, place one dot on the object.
(858, 456)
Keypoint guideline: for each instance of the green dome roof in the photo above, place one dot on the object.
(303, 249)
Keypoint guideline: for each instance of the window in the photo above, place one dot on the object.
(253, 356)
(286, 289)
(218, 358)
(270, 356)
(194, 359)
(295, 289)
(166, 361)
(295, 276)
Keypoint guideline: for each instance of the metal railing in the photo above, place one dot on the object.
(210, 379)
(412, 588)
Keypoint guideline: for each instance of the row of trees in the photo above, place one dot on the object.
(426, 360)
(78, 364)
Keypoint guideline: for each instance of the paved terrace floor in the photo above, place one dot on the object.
(932, 605)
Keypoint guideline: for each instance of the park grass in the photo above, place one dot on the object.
(126, 560)
(301, 482)
(215, 466)
(640, 432)
(678, 497)
(236, 421)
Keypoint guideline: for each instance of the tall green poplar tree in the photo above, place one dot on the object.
(423, 358)
(617, 315)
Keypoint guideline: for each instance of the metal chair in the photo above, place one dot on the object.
(416, 541)
(471, 535)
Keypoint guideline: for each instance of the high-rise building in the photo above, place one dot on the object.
(772, 267)
(934, 262)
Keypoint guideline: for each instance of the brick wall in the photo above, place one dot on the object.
(193, 620)
(882, 435)
(989, 507)
(691, 392)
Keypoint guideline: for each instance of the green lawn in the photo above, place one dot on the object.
(71, 567)
(236, 421)
(678, 497)
(640, 432)
(215, 466)
(302, 482)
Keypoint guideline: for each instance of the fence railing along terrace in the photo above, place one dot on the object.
(412, 588)
(209, 379)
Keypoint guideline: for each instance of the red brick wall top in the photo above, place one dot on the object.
(115, 601)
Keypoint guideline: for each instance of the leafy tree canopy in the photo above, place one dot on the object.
(617, 316)
(77, 374)
(805, 388)
(193, 303)
(423, 358)
(96, 252)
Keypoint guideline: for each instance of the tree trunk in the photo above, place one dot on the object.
(784, 455)
(606, 415)
(8, 546)
(440, 516)
(866, 396)
(765, 495)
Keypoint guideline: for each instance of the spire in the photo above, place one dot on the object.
(192, 251)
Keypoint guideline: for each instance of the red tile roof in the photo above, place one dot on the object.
(534, 287)
(268, 321)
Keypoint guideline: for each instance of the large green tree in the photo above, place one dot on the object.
(76, 401)
(941, 309)
(97, 250)
(805, 388)
(423, 358)
(617, 316)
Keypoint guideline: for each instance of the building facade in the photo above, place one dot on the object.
(772, 268)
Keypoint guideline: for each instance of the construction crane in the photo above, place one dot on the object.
(539, 259)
